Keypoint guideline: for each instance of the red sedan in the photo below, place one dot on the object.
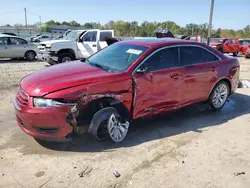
(123, 82)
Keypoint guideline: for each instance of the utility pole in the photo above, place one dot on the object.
(210, 21)
(25, 13)
(40, 23)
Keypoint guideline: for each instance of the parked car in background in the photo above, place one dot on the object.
(58, 37)
(33, 37)
(16, 47)
(247, 53)
(245, 44)
(77, 44)
(7, 33)
(125, 81)
(196, 38)
(226, 45)
(41, 38)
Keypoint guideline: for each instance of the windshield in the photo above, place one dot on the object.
(246, 43)
(117, 57)
(216, 41)
(73, 35)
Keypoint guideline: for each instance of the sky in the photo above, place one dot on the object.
(230, 14)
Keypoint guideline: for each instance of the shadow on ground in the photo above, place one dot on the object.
(192, 118)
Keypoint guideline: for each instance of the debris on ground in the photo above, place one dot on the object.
(183, 162)
(2, 174)
(85, 172)
(116, 174)
(1, 157)
(239, 173)
(244, 84)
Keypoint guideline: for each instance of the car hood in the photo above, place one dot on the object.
(54, 41)
(214, 44)
(63, 76)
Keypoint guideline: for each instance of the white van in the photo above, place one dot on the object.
(77, 44)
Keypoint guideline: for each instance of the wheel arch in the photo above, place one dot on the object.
(30, 51)
(96, 107)
(225, 79)
(67, 50)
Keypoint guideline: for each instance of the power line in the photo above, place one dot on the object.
(3, 13)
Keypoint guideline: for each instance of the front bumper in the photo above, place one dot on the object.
(247, 54)
(49, 57)
(44, 123)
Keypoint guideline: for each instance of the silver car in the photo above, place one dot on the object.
(16, 47)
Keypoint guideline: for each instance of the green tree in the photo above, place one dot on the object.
(45, 28)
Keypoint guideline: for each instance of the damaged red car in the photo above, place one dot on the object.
(125, 81)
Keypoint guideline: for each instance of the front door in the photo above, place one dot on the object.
(158, 83)
(88, 46)
(4, 47)
(18, 47)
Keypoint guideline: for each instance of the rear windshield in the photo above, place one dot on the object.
(216, 41)
(118, 56)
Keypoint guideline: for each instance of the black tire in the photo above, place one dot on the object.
(220, 50)
(65, 57)
(246, 57)
(235, 54)
(30, 55)
(99, 126)
(212, 102)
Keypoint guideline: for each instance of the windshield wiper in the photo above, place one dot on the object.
(101, 67)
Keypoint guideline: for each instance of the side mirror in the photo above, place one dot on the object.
(141, 71)
(80, 40)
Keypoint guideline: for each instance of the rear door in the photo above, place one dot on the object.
(200, 72)
(102, 38)
(18, 47)
(233, 45)
(160, 88)
(88, 46)
(4, 47)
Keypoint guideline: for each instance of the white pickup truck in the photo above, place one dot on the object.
(77, 44)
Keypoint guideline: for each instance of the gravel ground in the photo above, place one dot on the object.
(193, 147)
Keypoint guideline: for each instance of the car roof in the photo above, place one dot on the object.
(3, 35)
(159, 41)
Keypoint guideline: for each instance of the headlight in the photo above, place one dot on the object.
(40, 102)
(48, 45)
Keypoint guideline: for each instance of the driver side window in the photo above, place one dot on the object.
(90, 36)
(163, 59)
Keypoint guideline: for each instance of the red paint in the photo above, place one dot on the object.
(229, 45)
(155, 92)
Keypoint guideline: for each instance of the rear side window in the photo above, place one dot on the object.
(163, 59)
(105, 34)
(208, 56)
(190, 55)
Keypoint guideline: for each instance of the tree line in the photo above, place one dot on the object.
(147, 29)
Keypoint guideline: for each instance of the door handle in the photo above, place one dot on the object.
(94, 45)
(175, 76)
(213, 69)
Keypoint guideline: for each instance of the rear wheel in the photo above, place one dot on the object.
(30, 55)
(65, 57)
(219, 96)
(235, 54)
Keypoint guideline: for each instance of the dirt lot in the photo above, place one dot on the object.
(193, 147)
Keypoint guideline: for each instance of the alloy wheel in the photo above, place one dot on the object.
(117, 128)
(220, 95)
